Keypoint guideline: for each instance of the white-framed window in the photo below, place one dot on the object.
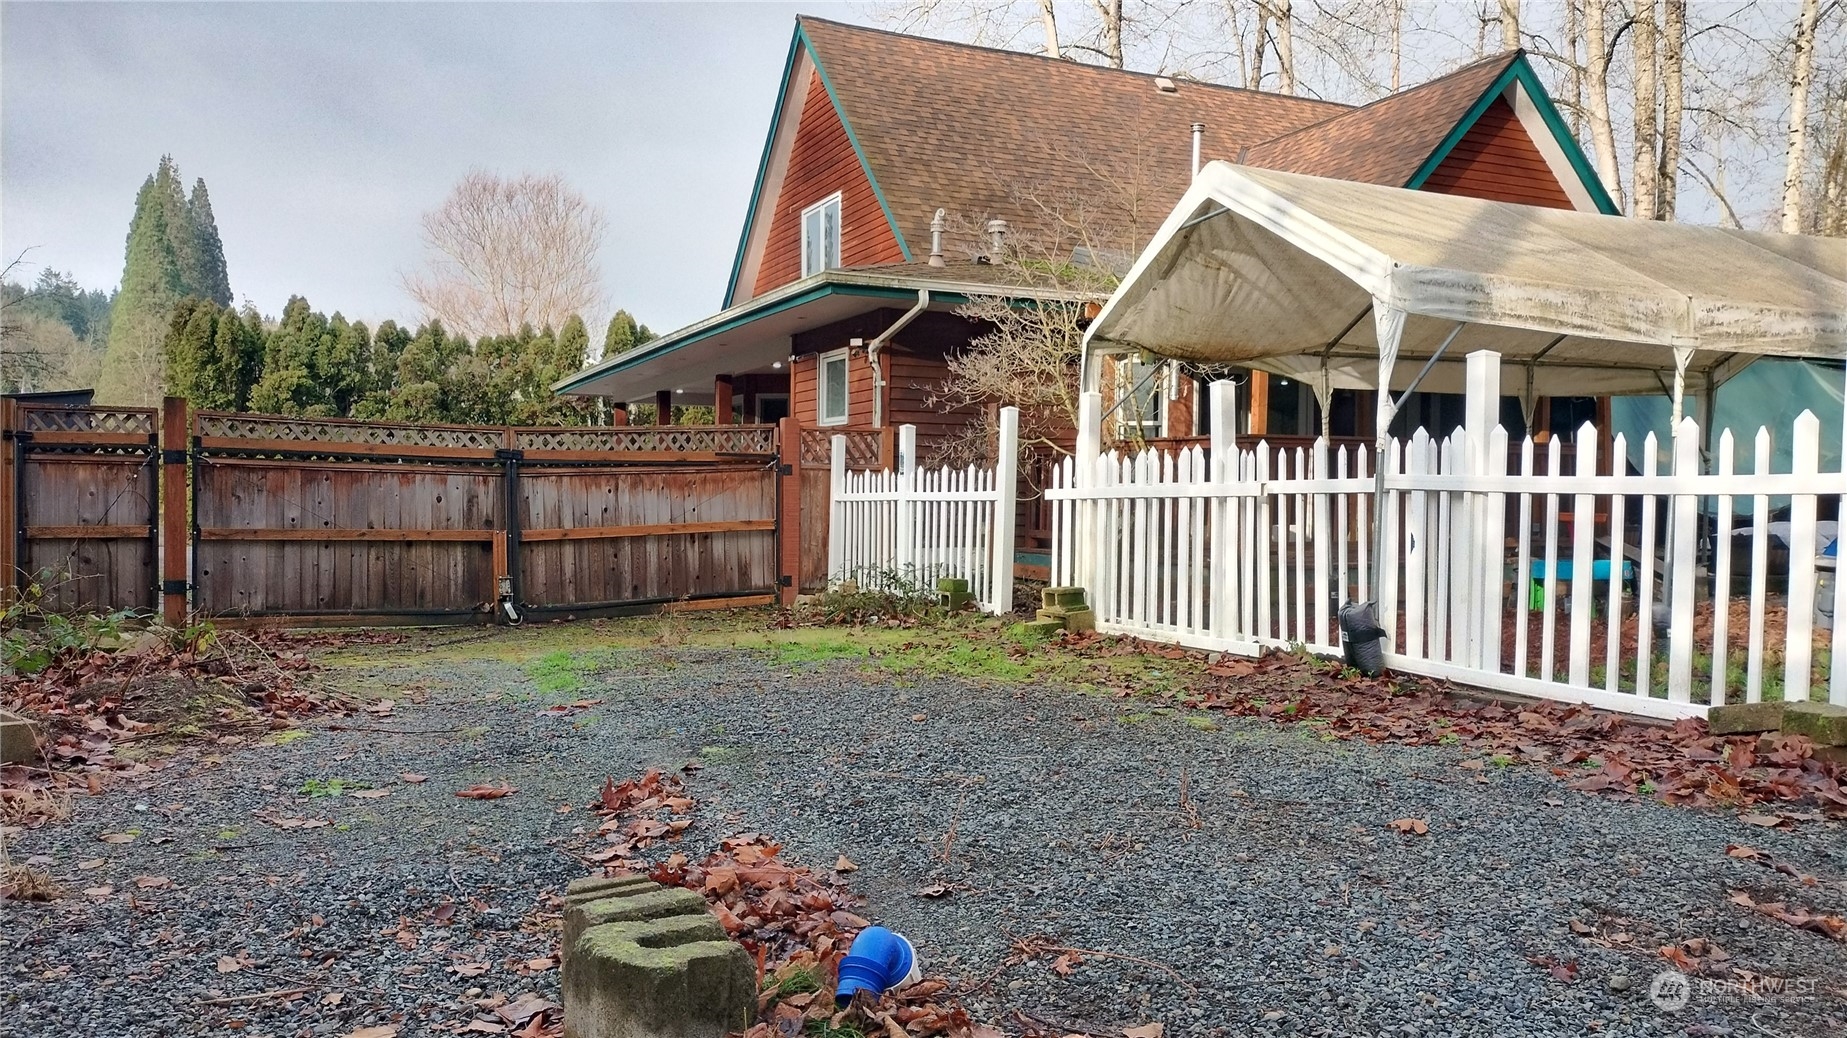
(831, 388)
(821, 235)
(1143, 387)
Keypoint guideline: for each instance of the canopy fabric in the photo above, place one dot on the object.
(1281, 272)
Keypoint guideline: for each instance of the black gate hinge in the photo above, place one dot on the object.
(171, 456)
(175, 587)
(785, 470)
(785, 581)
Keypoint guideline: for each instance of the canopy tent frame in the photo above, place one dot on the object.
(1586, 304)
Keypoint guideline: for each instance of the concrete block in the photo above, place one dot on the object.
(18, 739)
(1823, 722)
(595, 888)
(1738, 718)
(677, 977)
(1072, 597)
(1046, 628)
(955, 601)
(949, 584)
(630, 905)
(1080, 620)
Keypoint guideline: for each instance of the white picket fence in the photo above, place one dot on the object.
(1241, 549)
(906, 528)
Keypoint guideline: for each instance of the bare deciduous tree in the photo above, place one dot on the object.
(505, 253)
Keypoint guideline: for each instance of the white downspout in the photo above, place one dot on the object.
(878, 343)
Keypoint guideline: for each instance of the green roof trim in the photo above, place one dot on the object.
(1520, 71)
(797, 44)
(668, 344)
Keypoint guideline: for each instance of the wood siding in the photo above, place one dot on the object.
(821, 162)
(1498, 161)
(911, 380)
(804, 389)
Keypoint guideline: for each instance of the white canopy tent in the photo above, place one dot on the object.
(1281, 272)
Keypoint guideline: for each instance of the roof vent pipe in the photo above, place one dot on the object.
(1199, 133)
(997, 238)
(937, 225)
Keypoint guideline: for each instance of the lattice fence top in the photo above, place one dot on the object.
(716, 439)
(865, 447)
(133, 420)
(308, 431)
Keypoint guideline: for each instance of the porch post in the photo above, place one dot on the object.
(618, 414)
(663, 407)
(721, 400)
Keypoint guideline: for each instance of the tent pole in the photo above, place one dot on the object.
(1389, 322)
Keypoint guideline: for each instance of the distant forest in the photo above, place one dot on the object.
(171, 328)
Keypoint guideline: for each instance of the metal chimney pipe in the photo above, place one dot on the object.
(1199, 132)
(997, 238)
(937, 225)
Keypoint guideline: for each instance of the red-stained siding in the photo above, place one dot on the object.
(821, 162)
(1496, 160)
(804, 385)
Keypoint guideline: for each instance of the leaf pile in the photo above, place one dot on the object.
(795, 923)
(1595, 751)
(161, 682)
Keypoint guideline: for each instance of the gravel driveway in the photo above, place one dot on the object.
(1231, 876)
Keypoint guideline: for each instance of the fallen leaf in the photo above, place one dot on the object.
(844, 864)
(153, 882)
(933, 890)
(333, 999)
(1152, 1030)
(1410, 825)
(485, 1027)
(382, 1031)
(918, 717)
(1581, 928)
(226, 964)
(413, 778)
(468, 969)
(444, 912)
(118, 837)
(482, 791)
(369, 794)
(92, 863)
(1763, 820)
(541, 965)
(103, 891)
(1735, 850)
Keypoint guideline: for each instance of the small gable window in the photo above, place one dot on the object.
(831, 398)
(821, 235)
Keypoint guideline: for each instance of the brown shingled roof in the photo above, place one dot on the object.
(985, 132)
(1387, 141)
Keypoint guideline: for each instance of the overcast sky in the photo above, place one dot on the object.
(323, 131)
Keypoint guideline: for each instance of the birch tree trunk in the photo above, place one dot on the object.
(1254, 74)
(1645, 171)
(1673, 107)
(1048, 19)
(1597, 103)
(1574, 65)
(1110, 11)
(1285, 42)
(1801, 79)
(1397, 43)
(1510, 24)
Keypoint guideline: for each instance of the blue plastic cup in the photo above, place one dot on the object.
(877, 961)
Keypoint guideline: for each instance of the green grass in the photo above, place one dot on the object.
(317, 789)
(796, 980)
(560, 674)
(792, 652)
(961, 659)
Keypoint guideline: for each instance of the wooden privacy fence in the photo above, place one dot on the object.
(267, 516)
(1572, 586)
(908, 526)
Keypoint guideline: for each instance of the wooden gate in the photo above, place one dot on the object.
(81, 486)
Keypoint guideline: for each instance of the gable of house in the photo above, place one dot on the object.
(901, 126)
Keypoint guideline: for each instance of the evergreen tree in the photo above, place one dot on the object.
(190, 348)
(289, 385)
(624, 334)
(165, 262)
(214, 279)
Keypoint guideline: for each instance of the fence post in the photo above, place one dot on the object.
(174, 497)
(789, 510)
(888, 448)
(1085, 536)
(1478, 594)
(509, 456)
(836, 511)
(9, 515)
(904, 510)
(1799, 649)
(1222, 417)
(1006, 504)
(1680, 601)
